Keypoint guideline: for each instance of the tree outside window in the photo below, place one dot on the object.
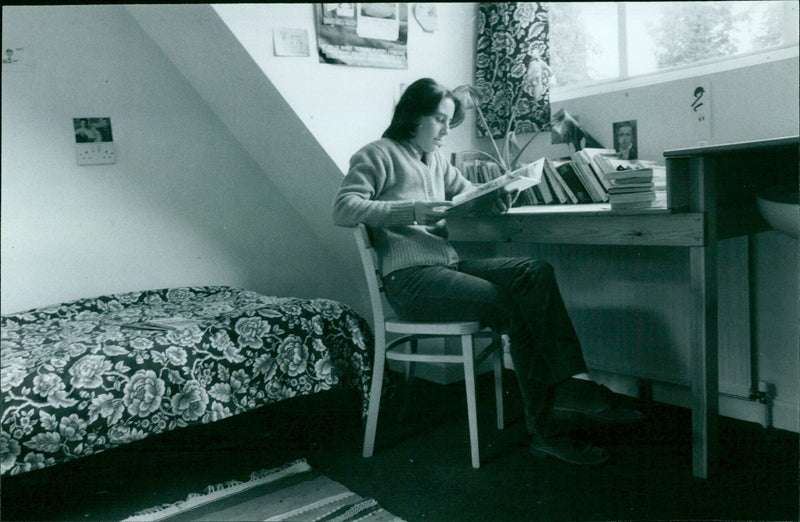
(604, 41)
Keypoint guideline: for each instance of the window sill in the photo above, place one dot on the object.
(558, 94)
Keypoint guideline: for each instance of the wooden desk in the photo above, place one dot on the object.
(711, 195)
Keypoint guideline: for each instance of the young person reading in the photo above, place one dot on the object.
(400, 187)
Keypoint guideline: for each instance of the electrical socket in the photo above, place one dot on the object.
(96, 153)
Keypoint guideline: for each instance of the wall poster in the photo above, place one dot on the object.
(363, 34)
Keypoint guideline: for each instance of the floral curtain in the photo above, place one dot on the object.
(511, 67)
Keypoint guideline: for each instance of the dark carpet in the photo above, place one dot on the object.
(421, 468)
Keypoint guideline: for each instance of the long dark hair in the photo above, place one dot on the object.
(421, 98)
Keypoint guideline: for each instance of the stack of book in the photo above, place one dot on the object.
(637, 188)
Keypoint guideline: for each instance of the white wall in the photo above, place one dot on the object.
(183, 205)
(347, 107)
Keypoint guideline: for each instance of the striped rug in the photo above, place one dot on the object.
(292, 492)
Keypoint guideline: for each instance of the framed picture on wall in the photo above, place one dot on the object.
(625, 139)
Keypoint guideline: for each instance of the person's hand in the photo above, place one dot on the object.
(504, 201)
(429, 212)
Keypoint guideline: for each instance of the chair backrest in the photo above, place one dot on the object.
(369, 259)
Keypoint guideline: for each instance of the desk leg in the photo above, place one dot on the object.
(704, 370)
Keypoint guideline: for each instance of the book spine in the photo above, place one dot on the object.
(544, 191)
(493, 170)
(558, 191)
(537, 194)
(630, 197)
(591, 182)
(557, 175)
(600, 173)
(526, 197)
(469, 171)
(568, 174)
(580, 173)
(489, 183)
(483, 174)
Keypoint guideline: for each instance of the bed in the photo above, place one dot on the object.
(85, 376)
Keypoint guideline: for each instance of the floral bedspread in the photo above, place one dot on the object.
(81, 377)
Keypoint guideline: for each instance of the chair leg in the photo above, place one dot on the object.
(375, 395)
(408, 389)
(410, 365)
(498, 386)
(469, 380)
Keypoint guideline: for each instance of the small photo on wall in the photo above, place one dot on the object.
(625, 139)
(291, 42)
(91, 130)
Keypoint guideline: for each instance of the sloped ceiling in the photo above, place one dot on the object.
(215, 63)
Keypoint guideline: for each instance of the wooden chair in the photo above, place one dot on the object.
(411, 331)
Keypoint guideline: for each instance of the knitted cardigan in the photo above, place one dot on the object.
(385, 178)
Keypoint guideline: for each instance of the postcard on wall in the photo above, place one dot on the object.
(16, 58)
(291, 42)
(379, 21)
(90, 130)
(94, 143)
(625, 139)
(339, 14)
(363, 35)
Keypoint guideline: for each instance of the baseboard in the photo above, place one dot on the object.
(784, 414)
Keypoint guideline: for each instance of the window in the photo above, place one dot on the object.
(596, 43)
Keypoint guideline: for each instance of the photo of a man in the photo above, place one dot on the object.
(625, 139)
(89, 130)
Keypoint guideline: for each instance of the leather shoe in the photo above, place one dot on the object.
(568, 449)
(576, 398)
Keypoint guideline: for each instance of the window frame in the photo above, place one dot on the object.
(678, 72)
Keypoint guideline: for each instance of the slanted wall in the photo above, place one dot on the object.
(214, 62)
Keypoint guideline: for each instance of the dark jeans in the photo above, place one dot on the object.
(515, 296)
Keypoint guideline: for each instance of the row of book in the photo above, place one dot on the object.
(590, 175)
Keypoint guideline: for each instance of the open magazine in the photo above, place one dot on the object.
(481, 198)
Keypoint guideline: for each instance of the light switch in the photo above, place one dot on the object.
(96, 153)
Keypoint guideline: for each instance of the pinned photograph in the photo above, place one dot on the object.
(378, 21)
(16, 58)
(339, 14)
(92, 130)
(291, 42)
